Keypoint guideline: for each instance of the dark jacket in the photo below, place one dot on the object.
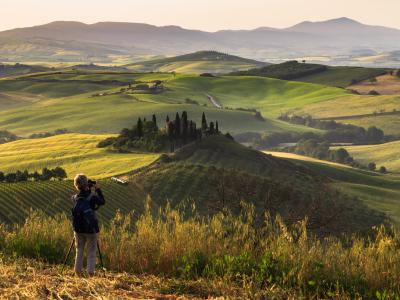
(96, 200)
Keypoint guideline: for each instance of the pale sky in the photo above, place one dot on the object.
(210, 15)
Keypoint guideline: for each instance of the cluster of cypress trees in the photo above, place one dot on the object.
(146, 135)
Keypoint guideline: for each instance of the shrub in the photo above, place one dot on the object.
(383, 170)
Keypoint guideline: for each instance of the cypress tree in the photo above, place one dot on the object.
(184, 125)
(177, 126)
(139, 128)
(216, 127)
(203, 122)
(154, 120)
(167, 119)
(211, 127)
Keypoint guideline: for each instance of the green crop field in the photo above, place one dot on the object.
(53, 197)
(76, 153)
(381, 192)
(342, 76)
(387, 155)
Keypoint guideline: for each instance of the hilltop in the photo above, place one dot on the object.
(198, 62)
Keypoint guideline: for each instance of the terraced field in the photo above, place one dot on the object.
(76, 153)
(53, 197)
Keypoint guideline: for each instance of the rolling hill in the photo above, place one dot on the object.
(74, 152)
(198, 62)
(60, 96)
(314, 73)
(217, 172)
(213, 173)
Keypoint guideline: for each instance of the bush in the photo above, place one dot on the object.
(372, 166)
(373, 93)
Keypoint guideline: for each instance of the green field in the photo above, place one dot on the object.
(76, 153)
(359, 110)
(63, 97)
(380, 192)
(314, 73)
(387, 155)
(342, 76)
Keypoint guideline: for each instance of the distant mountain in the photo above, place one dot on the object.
(197, 62)
(106, 41)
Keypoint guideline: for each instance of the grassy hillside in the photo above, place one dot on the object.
(387, 155)
(381, 111)
(196, 63)
(64, 95)
(342, 76)
(76, 153)
(218, 172)
(314, 73)
(381, 192)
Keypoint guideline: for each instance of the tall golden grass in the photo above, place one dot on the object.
(227, 247)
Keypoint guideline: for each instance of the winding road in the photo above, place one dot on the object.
(214, 102)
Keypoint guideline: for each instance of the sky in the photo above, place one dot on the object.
(209, 15)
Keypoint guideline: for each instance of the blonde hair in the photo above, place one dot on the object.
(81, 182)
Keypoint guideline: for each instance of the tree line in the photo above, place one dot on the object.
(322, 150)
(147, 135)
(338, 132)
(57, 173)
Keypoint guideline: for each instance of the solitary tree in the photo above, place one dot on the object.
(216, 127)
(372, 166)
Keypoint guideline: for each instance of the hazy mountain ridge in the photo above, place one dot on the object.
(341, 36)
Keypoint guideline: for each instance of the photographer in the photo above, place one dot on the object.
(85, 224)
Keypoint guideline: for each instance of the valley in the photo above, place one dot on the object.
(235, 172)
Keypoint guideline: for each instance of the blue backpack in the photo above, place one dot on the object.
(83, 216)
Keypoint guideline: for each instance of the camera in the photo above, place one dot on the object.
(91, 183)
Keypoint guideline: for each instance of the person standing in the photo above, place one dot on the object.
(84, 221)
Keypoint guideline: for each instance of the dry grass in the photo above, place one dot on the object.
(222, 255)
(27, 279)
